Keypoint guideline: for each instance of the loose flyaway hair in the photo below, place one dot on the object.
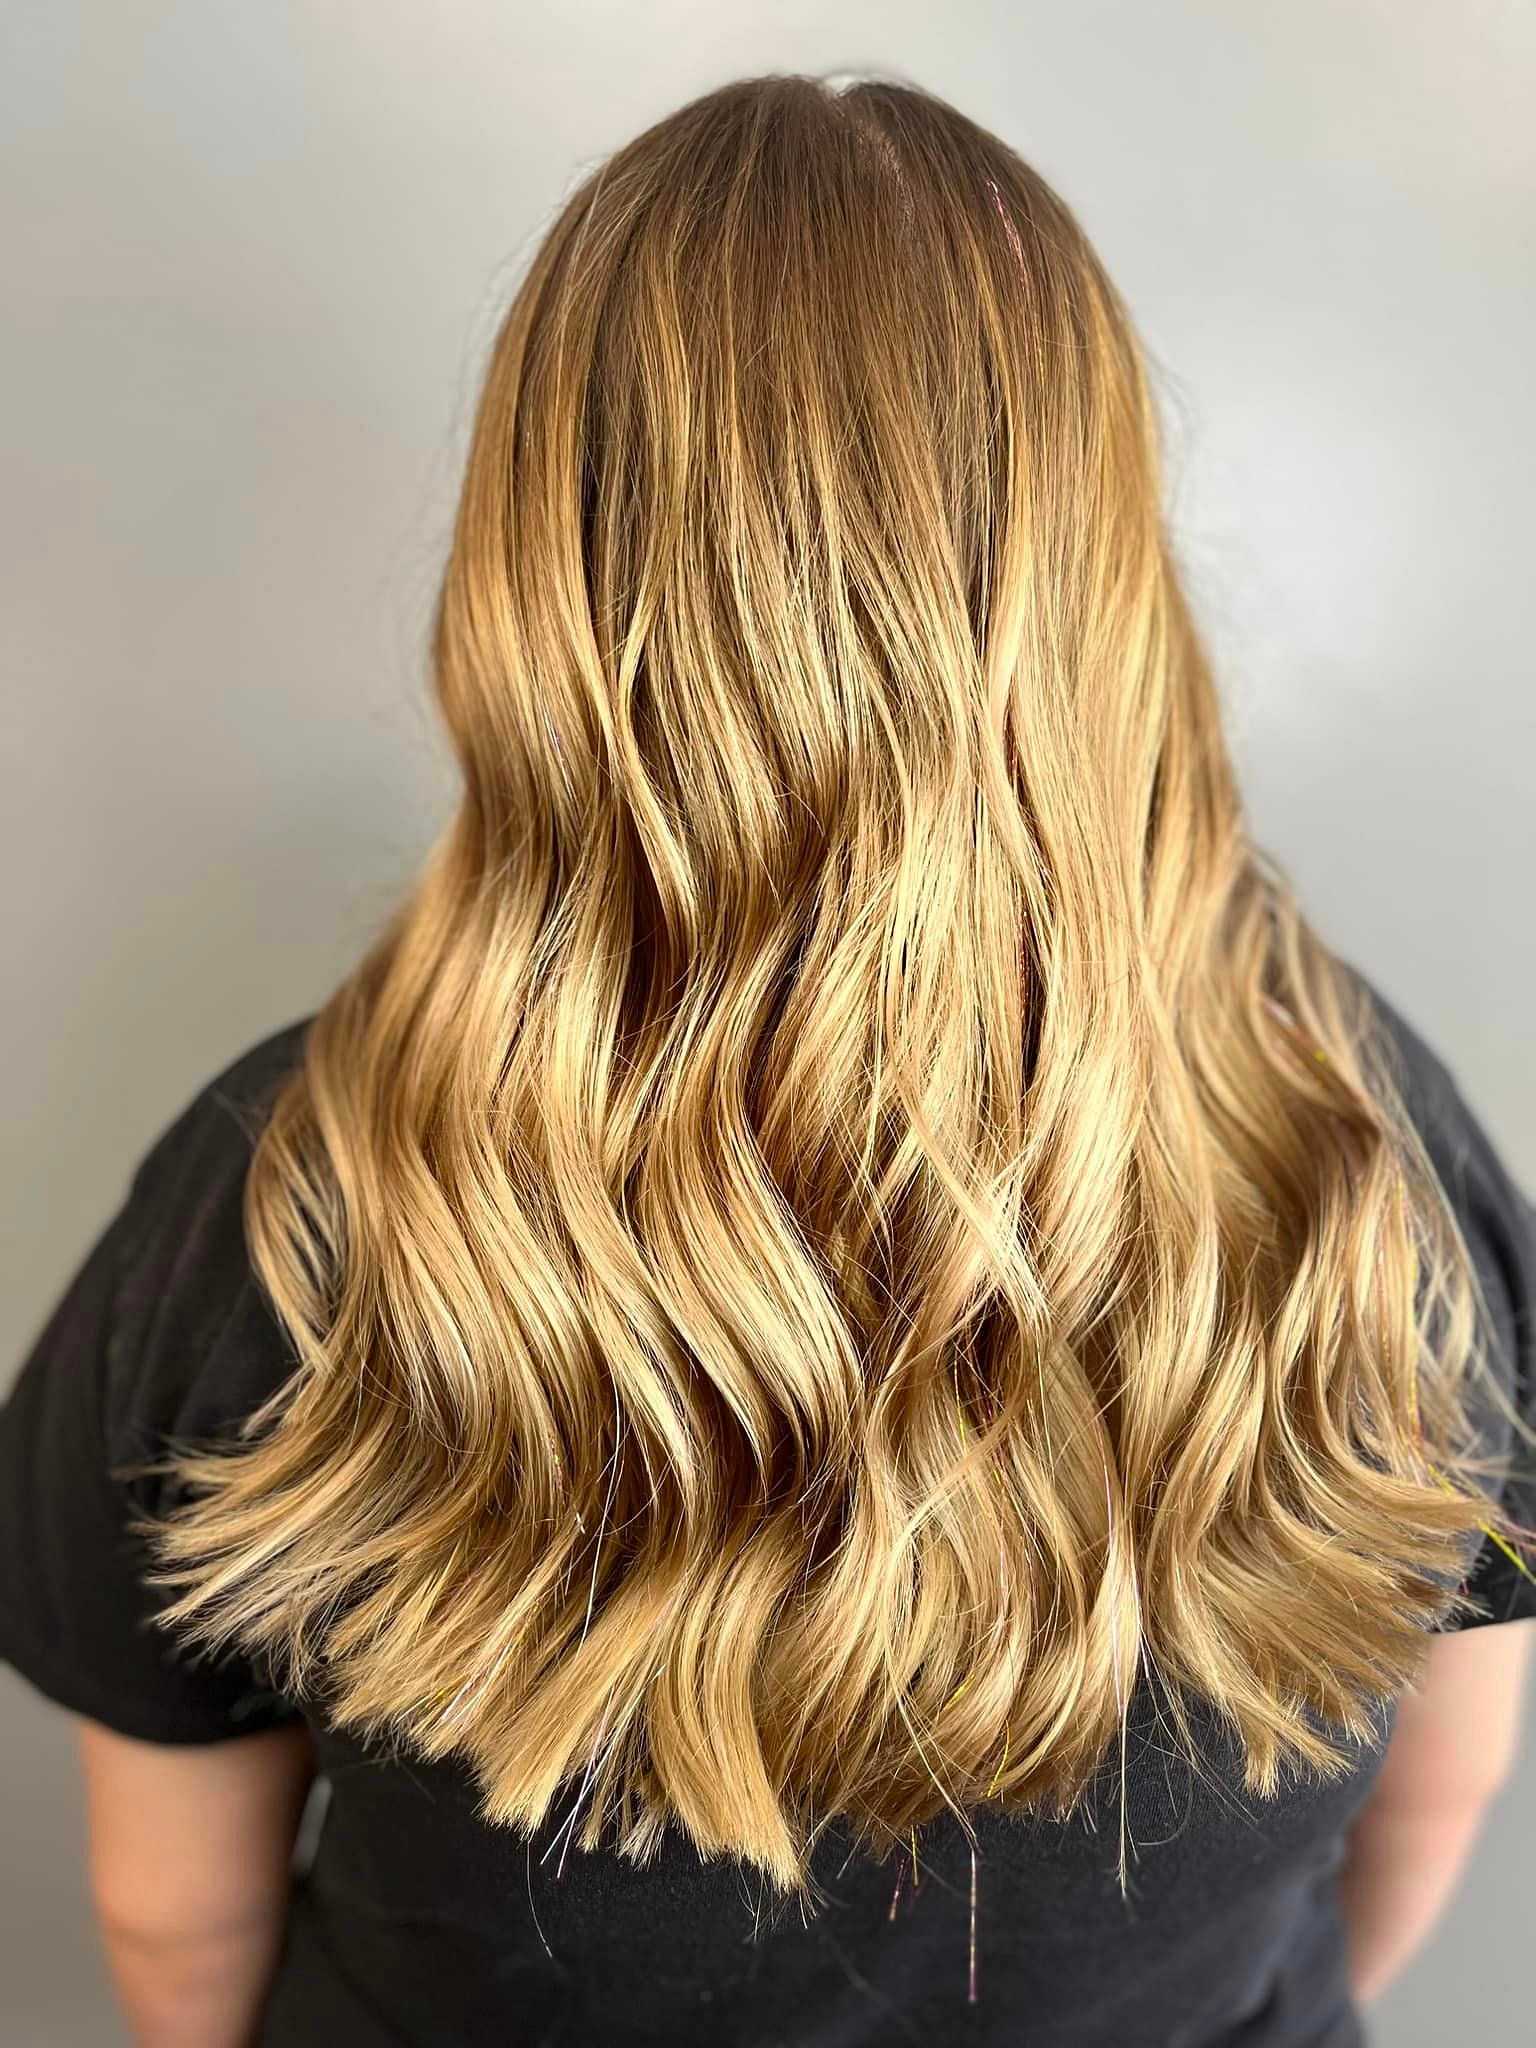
(848, 1216)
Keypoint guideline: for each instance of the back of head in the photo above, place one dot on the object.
(849, 1214)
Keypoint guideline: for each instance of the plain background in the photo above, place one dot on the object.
(255, 253)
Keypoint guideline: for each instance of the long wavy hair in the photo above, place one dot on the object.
(848, 1216)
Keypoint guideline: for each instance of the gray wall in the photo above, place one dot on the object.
(255, 253)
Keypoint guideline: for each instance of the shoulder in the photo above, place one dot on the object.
(1466, 1156)
(194, 1345)
(1490, 1204)
(161, 1338)
(1428, 1085)
(206, 1145)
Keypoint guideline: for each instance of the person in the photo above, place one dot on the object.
(850, 1390)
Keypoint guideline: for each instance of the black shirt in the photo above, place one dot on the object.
(416, 1922)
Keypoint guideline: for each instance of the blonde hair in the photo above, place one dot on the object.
(849, 1214)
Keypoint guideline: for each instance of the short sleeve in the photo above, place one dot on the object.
(160, 1327)
(1498, 1222)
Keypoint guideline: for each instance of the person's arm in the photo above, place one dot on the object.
(1455, 1742)
(190, 1848)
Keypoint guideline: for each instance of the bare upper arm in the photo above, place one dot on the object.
(1457, 1733)
(188, 1838)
